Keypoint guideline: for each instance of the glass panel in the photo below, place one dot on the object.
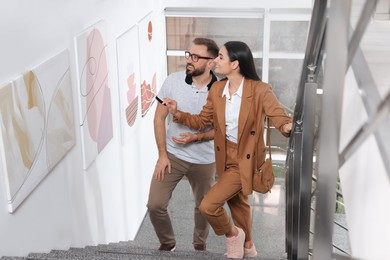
(279, 145)
(288, 36)
(182, 30)
(176, 63)
(259, 66)
(285, 86)
(284, 75)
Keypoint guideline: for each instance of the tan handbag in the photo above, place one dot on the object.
(263, 176)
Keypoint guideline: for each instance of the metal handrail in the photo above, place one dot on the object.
(312, 58)
(297, 221)
(296, 169)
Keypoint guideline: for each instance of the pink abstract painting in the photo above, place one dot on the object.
(148, 65)
(132, 99)
(94, 92)
(128, 81)
(148, 94)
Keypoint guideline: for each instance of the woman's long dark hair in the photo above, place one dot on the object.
(240, 51)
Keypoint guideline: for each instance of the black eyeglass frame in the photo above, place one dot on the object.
(195, 57)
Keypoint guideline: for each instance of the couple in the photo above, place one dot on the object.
(226, 111)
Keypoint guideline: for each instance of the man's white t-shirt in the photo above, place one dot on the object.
(189, 99)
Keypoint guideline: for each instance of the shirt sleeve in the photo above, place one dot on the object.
(164, 90)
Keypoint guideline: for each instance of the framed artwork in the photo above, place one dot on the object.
(93, 91)
(128, 80)
(148, 66)
(37, 126)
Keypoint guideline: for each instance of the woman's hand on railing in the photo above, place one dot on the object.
(286, 128)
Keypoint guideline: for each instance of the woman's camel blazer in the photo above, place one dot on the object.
(258, 101)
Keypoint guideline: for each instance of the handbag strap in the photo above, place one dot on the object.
(269, 138)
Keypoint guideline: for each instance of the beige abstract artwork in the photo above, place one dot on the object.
(37, 126)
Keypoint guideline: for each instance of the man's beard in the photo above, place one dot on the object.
(194, 72)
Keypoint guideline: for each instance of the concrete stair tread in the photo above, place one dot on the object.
(122, 251)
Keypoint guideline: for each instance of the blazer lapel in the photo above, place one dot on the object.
(246, 104)
(221, 108)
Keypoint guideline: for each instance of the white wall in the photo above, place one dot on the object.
(72, 207)
(105, 203)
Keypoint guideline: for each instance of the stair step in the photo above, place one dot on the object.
(32, 256)
(77, 249)
(123, 250)
(73, 254)
(180, 254)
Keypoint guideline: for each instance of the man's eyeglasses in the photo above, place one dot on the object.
(195, 57)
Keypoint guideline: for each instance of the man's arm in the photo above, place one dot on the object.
(188, 137)
(163, 162)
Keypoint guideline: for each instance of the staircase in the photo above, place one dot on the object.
(121, 250)
(268, 233)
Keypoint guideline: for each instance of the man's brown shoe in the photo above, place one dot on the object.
(200, 247)
(165, 247)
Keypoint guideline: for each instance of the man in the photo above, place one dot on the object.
(182, 151)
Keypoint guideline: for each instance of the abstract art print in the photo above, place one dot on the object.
(148, 67)
(128, 80)
(93, 91)
(37, 126)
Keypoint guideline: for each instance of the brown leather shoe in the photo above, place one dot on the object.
(200, 247)
(165, 247)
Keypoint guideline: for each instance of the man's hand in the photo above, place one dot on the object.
(185, 138)
(159, 169)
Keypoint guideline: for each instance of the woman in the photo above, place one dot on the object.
(236, 107)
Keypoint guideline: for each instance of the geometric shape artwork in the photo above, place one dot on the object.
(128, 80)
(148, 94)
(93, 91)
(132, 99)
(148, 65)
(37, 126)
